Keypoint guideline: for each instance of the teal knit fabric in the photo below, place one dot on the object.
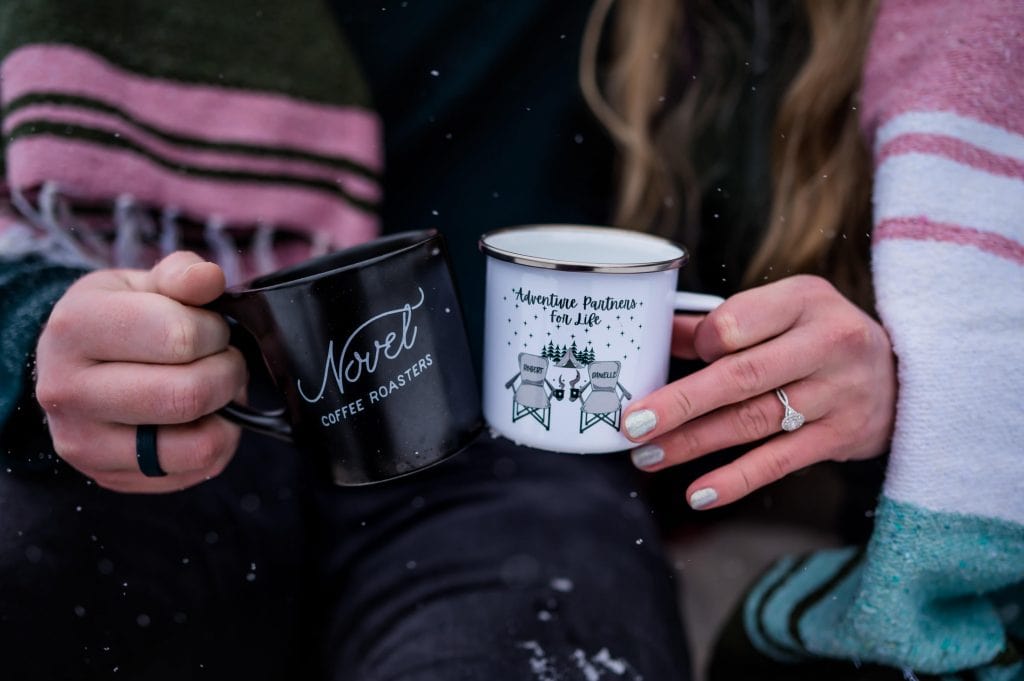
(955, 580)
(29, 287)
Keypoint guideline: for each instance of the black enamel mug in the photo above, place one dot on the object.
(368, 350)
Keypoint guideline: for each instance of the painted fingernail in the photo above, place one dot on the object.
(648, 455)
(641, 422)
(703, 498)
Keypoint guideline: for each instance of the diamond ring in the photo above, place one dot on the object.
(792, 419)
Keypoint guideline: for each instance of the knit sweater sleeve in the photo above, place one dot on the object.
(29, 287)
(940, 587)
(944, 110)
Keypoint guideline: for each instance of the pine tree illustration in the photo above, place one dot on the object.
(544, 352)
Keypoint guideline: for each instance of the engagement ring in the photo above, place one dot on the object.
(792, 419)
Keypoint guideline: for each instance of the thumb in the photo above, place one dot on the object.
(683, 328)
(187, 278)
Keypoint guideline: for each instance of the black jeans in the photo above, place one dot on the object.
(500, 563)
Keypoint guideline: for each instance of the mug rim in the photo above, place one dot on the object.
(420, 236)
(489, 249)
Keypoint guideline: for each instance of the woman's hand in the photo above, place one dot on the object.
(129, 347)
(834, 362)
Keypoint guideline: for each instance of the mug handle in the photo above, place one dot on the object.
(696, 302)
(236, 313)
(270, 423)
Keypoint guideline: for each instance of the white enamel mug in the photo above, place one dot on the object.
(578, 323)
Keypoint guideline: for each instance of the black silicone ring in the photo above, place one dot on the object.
(145, 452)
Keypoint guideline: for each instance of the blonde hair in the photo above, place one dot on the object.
(820, 208)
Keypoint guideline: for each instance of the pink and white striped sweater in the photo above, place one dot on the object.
(940, 588)
(944, 108)
(251, 142)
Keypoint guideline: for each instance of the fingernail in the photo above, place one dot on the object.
(703, 498)
(189, 268)
(641, 422)
(648, 455)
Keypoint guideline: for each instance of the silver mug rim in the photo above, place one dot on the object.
(506, 255)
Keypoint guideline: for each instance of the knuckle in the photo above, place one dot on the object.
(54, 396)
(724, 329)
(217, 466)
(208, 452)
(682, 402)
(204, 452)
(686, 444)
(813, 285)
(747, 487)
(61, 321)
(854, 338)
(751, 422)
(747, 376)
(186, 399)
(68, 449)
(181, 338)
(776, 464)
(211, 448)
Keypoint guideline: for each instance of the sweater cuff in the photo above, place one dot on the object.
(29, 288)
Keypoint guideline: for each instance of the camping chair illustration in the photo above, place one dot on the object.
(604, 403)
(532, 397)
